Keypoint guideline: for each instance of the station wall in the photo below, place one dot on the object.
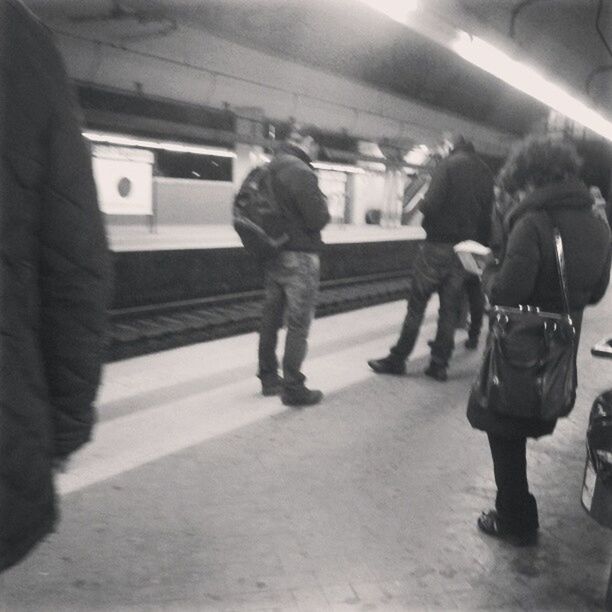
(193, 66)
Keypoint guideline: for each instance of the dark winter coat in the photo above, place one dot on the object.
(499, 224)
(528, 273)
(459, 200)
(304, 206)
(53, 280)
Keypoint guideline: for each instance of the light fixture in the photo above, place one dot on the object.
(338, 167)
(398, 10)
(165, 145)
(500, 64)
(521, 76)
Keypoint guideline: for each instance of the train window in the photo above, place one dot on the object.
(193, 166)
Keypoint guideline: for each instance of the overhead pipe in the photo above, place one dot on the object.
(515, 13)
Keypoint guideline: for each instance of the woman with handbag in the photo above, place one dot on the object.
(556, 262)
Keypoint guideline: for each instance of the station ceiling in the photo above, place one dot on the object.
(342, 36)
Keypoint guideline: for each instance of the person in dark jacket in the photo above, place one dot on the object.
(53, 281)
(292, 278)
(476, 300)
(457, 207)
(542, 173)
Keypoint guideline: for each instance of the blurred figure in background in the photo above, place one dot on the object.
(457, 207)
(292, 278)
(542, 174)
(53, 281)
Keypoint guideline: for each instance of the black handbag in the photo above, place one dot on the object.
(528, 368)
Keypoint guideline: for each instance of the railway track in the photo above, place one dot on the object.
(149, 329)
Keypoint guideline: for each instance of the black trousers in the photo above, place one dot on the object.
(476, 300)
(516, 506)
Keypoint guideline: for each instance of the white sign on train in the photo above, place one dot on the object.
(124, 179)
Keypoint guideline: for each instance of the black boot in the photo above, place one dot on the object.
(301, 396)
(388, 365)
(271, 385)
(472, 342)
(437, 372)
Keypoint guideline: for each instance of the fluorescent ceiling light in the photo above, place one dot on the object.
(177, 147)
(338, 167)
(521, 76)
(398, 10)
(501, 65)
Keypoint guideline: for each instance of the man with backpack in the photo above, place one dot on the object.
(292, 275)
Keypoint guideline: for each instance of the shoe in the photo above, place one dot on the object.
(388, 365)
(437, 372)
(302, 396)
(471, 343)
(272, 387)
(270, 390)
(488, 522)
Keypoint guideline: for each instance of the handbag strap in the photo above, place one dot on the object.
(560, 257)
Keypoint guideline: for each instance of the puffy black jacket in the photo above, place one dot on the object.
(459, 200)
(304, 206)
(53, 280)
(528, 273)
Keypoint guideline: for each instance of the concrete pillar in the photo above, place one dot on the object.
(392, 202)
(249, 124)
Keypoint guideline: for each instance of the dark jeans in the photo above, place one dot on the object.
(291, 287)
(476, 301)
(436, 269)
(516, 507)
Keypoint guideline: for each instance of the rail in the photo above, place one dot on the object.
(148, 329)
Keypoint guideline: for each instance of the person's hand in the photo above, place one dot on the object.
(487, 277)
(490, 260)
(484, 262)
(59, 464)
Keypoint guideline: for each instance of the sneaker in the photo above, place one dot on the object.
(471, 343)
(437, 372)
(302, 396)
(272, 387)
(388, 365)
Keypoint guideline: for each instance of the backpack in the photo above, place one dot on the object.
(258, 218)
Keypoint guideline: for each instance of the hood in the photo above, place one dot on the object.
(571, 193)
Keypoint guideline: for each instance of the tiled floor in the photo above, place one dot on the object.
(199, 494)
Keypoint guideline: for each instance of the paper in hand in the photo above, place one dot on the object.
(473, 256)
